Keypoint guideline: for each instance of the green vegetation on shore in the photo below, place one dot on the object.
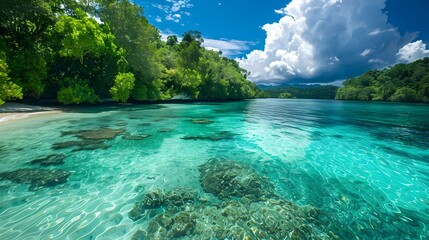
(85, 51)
(300, 92)
(400, 83)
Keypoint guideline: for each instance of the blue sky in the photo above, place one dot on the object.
(312, 41)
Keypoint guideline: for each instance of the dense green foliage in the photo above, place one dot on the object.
(77, 93)
(300, 91)
(124, 83)
(84, 51)
(8, 89)
(401, 83)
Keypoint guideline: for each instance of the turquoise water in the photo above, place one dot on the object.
(363, 166)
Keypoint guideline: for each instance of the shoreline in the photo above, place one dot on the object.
(12, 112)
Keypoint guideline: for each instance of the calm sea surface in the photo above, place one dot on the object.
(363, 166)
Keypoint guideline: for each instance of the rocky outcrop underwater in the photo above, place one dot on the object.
(245, 206)
(37, 178)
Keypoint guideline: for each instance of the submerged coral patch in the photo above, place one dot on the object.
(99, 134)
(249, 209)
(201, 121)
(165, 130)
(95, 134)
(37, 178)
(50, 160)
(89, 139)
(80, 145)
(223, 135)
(158, 198)
(128, 136)
(232, 179)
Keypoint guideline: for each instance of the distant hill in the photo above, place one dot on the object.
(315, 91)
(400, 83)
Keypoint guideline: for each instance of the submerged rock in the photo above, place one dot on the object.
(201, 121)
(99, 134)
(95, 134)
(227, 179)
(129, 136)
(250, 209)
(54, 159)
(270, 219)
(80, 145)
(121, 124)
(168, 225)
(36, 178)
(223, 135)
(165, 130)
(139, 235)
(179, 197)
(154, 199)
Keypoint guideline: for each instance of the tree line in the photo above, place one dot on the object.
(300, 92)
(400, 83)
(86, 51)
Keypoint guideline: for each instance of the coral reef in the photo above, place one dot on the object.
(228, 178)
(36, 178)
(50, 160)
(96, 134)
(91, 139)
(128, 136)
(80, 145)
(157, 198)
(165, 130)
(248, 208)
(201, 121)
(223, 135)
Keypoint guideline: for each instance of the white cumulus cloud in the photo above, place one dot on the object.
(174, 10)
(366, 52)
(328, 40)
(229, 47)
(412, 52)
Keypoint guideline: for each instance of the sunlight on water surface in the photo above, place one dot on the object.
(363, 167)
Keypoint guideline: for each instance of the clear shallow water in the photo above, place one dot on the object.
(365, 166)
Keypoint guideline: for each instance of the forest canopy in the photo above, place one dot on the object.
(86, 51)
(400, 83)
(300, 92)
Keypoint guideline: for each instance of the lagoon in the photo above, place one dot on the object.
(361, 168)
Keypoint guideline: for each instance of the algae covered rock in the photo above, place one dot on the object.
(168, 225)
(156, 198)
(129, 136)
(37, 178)
(139, 235)
(201, 121)
(137, 212)
(180, 196)
(95, 134)
(228, 179)
(50, 160)
(269, 219)
(153, 199)
(248, 208)
(81, 145)
(165, 130)
(100, 134)
(223, 135)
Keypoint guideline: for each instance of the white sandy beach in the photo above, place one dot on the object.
(10, 112)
